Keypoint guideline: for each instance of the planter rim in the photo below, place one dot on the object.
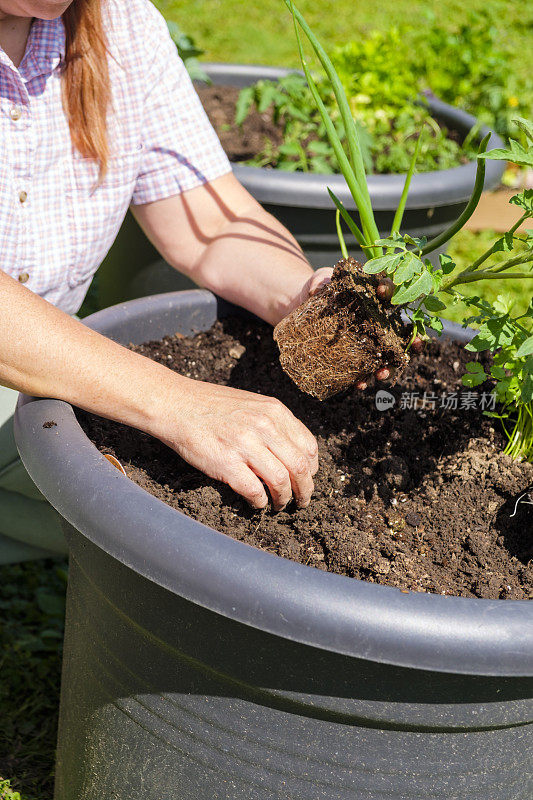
(290, 600)
(309, 190)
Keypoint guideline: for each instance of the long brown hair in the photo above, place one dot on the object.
(86, 83)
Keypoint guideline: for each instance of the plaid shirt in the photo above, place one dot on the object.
(55, 226)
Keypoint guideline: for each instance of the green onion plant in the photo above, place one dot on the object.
(425, 290)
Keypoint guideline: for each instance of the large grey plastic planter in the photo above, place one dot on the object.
(301, 202)
(199, 668)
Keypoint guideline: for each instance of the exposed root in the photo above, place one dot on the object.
(341, 335)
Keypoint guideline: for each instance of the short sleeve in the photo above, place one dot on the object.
(181, 149)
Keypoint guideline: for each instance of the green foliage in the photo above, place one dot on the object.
(188, 52)
(229, 29)
(510, 340)
(384, 95)
(305, 144)
(465, 64)
(7, 793)
(32, 607)
(384, 99)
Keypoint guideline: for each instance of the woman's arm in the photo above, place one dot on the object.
(233, 436)
(218, 235)
(221, 237)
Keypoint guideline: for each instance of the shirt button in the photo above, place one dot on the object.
(15, 113)
(24, 277)
(23, 196)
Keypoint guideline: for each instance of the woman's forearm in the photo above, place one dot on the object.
(256, 263)
(218, 235)
(46, 353)
(241, 438)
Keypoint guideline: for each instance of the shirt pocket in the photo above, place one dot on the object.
(97, 209)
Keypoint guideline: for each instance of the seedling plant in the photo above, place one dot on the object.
(421, 290)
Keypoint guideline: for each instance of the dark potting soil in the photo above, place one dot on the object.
(240, 142)
(419, 498)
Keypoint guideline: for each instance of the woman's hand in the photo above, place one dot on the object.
(243, 439)
(320, 278)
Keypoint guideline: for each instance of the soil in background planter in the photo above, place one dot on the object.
(418, 499)
(239, 142)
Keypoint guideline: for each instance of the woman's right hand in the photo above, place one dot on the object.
(237, 437)
(243, 439)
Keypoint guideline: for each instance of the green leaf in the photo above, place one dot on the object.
(503, 304)
(418, 242)
(268, 94)
(347, 218)
(496, 332)
(516, 154)
(320, 148)
(524, 200)
(473, 379)
(480, 343)
(526, 395)
(503, 245)
(433, 303)
(474, 367)
(406, 293)
(408, 267)
(243, 104)
(290, 149)
(382, 264)
(394, 240)
(525, 125)
(447, 263)
(526, 348)
(436, 323)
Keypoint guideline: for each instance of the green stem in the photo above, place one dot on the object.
(521, 258)
(398, 217)
(520, 444)
(444, 237)
(490, 251)
(469, 275)
(350, 223)
(333, 137)
(365, 206)
(344, 249)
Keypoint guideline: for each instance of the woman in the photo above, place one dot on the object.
(97, 114)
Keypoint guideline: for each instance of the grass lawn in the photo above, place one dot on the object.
(262, 33)
(32, 607)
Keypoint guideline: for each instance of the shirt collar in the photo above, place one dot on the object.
(45, 49)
